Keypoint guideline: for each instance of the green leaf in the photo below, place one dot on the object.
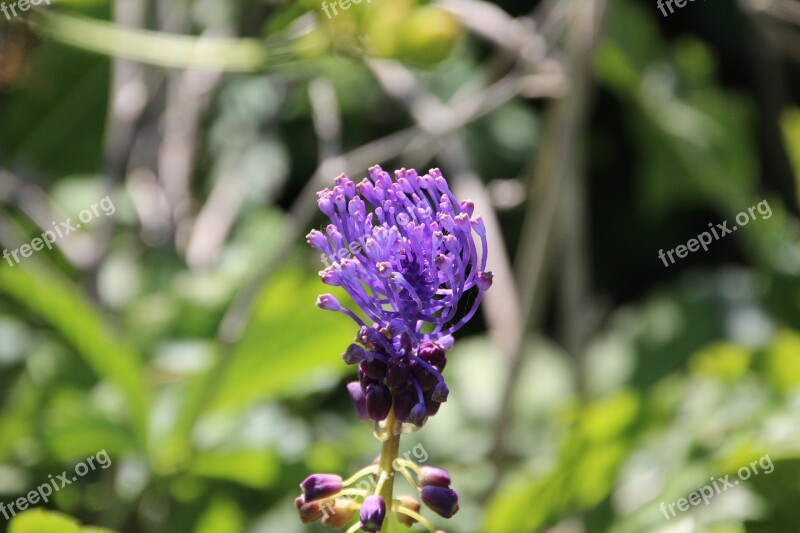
(256, 469)
(288, 345)
(56, 300)
(39, 521)
(222, 515)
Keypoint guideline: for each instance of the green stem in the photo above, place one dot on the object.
(389, 451)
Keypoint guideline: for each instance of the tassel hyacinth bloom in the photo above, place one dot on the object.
(413, 259)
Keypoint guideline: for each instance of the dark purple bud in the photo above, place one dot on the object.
(440, 392)
(425, 379)
(354, 354)
(409, 503)
(319, 486)
(379, 402)
(433, 354)
(365, 380)
(435, 476)
(484, 280)
(373, 511)
(441, 500)
(328, 302)
(404, 402)
(430, 405)
(309, 511)
(373, 367)
(418, 415)
(338, 513)
(358, 398)
(397, 376)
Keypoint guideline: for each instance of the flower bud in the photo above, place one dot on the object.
(337, 515)
(366, 381)
(440, 392)
(373, 511)
(435, 476)
(430, 405)
(354, 354)
(484, 280)
(426, 380)
(418, 415)
(318, 240)
(309, 511)
(358, 398)
(328, 302)
(397, 376)
(319, 486)
(409, 503)
(441, 500)
(331, 276)
(433, 354)
(379, 402)
(404, 402)
(373, 367)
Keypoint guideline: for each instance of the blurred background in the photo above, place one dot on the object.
(177, 331)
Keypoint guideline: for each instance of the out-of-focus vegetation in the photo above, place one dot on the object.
(180, 335)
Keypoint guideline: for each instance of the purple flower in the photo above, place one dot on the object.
(441, 500)
(432, 475)
(404, 250)
(320, 486)
(373, 511)
(358, 398)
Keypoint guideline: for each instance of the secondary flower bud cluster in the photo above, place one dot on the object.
(324, 499)
(391, 373)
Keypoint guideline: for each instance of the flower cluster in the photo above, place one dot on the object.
(328, 498)
(409, 255)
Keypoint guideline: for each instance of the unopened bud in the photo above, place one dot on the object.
(339, 513)
(358, 398)
(418, 415)
(440, 392)
(435, 476)
(409, 503)
(328, 302)
(318, 486)
(379, 402)
(373, 512)
(441, 500)
(353, 354)
(309, 511)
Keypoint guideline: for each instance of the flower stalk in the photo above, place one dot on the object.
(389, 451)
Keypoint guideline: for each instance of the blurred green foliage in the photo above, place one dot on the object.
(692, 373)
